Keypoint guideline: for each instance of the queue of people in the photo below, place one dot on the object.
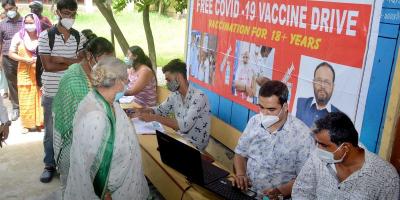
(91, 142)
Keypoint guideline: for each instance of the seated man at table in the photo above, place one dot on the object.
(189, 105)
(341, 169)
(273, 147)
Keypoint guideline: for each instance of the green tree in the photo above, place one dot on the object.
(105, 8)
(180, 5)
(144, 7)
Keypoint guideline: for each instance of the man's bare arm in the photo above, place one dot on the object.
(56, 63)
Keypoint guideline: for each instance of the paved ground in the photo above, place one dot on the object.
(21, 163)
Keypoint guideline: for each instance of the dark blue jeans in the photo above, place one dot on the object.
(48, 132)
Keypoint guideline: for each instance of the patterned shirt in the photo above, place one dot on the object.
(376, 179)
(66, 49)
(274, 159)
(192, 114)
(8, 28)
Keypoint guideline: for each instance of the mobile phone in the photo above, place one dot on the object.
(250, 193)
(129, 111)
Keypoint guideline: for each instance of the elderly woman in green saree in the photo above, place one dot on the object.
(73, 87)
(105, 159)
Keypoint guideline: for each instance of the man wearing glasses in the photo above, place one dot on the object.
(313, 108)
(8, 27)
(58, 49)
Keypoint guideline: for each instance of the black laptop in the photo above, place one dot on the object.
(189, 162)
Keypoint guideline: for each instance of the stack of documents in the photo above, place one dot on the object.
(143, 127)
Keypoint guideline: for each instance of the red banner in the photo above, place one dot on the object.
(236, 45)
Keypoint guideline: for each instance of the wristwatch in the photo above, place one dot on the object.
(8, 123)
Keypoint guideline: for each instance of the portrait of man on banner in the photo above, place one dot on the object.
(313, 108)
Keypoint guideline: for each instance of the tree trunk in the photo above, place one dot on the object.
(160, 7)
(106, 11)
(52, 5)
(149, 37)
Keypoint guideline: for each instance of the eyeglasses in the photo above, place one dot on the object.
(323, 82)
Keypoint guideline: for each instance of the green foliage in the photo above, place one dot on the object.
(169, 33)
(180, 5)
(119, 5)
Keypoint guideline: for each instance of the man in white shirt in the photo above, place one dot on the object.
(273, 147)
(263, 67)
(194, 55)
(243, 81)
(189, 106)
(341, 169)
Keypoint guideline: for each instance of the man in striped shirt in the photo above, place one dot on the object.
(55, 62)
(8, 27)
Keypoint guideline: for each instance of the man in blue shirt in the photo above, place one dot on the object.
(314, 108)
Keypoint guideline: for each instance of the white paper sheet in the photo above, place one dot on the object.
(126, 99)
(143, 127)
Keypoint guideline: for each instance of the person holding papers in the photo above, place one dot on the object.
(189, 105)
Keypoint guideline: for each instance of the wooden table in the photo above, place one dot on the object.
(170, 183)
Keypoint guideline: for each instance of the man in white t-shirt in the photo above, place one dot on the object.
(263, 67)
(243, 81)
(55, 61)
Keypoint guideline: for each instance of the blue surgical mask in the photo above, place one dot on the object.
(121, 94)
(128, 61)
(328, 157)
(11, 14)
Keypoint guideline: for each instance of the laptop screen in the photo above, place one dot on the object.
(180, 157)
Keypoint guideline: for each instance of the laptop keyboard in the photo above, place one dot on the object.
(212, 173)
(224, 188)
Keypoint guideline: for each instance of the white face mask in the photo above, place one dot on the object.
(11, 14)
(269, 120)
(67, 22)
(95, 61)
(30, 27)
(329, 157)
